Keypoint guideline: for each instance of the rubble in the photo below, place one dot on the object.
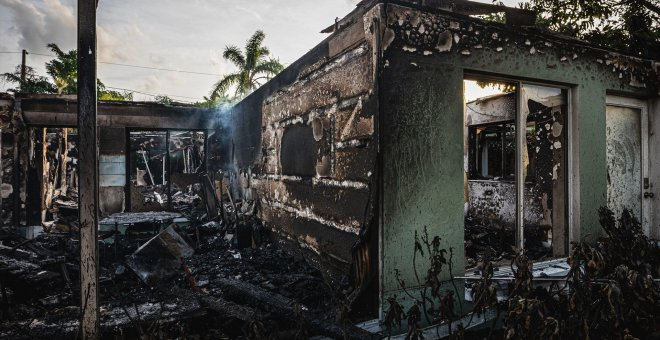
(226, 277)
(495, 240)
(161, 257)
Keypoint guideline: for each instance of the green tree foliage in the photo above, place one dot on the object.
(63, 69)
(210, 103)
(105, 94)
(254, 67)
(165, 100)
(632, 26)
(33, 83)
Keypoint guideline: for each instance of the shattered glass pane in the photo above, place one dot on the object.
(544, 158)
(624, 165)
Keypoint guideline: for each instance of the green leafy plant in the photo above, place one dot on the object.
(611, 291)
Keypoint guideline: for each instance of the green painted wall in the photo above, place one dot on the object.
(423, 170)
(422, 125)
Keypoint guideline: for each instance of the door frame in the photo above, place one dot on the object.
(643, 107)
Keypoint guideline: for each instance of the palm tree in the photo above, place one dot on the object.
(253, 67)
(63, 70)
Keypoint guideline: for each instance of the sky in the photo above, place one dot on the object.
(180, 35)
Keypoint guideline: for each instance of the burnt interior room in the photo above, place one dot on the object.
(501, 165)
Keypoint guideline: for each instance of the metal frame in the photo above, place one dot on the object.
(502, 138)
(521, 141)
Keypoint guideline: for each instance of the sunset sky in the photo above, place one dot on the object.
(187, 36)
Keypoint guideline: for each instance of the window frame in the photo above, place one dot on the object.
(521, 125)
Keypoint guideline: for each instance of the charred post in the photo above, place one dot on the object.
(88, 189)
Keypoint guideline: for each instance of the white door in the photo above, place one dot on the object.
(627, 158)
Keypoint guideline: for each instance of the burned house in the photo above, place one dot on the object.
(368, 139)
(373, 138)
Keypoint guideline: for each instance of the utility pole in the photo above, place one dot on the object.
(16, 166)
(23, 70)
(88, 189)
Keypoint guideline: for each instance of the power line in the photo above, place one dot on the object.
(151, 94)
(135, 66)
(161, 69)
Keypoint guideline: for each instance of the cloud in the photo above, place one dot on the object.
(249, 11)
(111, 48)
(167, 34)
(35, 25)
(150, 84)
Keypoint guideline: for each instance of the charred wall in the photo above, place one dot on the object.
(14, 146)
(312, 164)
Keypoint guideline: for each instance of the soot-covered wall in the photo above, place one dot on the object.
(312, 165)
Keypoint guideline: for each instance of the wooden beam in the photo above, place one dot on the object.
(88, 194)
(16, 181)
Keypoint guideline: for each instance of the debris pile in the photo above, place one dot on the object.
(212, 280)
(487, 238)
(493, 239)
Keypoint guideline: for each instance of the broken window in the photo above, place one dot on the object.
(165, 169)
(516, 184)
(148, 170)
(188, 161)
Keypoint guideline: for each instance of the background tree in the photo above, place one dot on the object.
(33, 83)
(64, 72)
(162, 99)
(218, 101)
(632, 26)
(105, 94)
(63, 69)
(254, 67)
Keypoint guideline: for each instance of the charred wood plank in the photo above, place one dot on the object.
(228, 308)
(245, 292)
